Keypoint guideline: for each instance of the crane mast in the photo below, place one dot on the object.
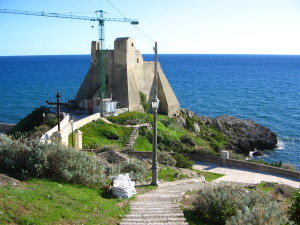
(99, 17)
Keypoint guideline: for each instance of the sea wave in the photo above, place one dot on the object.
(280, 145)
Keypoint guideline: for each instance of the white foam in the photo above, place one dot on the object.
(280, 145)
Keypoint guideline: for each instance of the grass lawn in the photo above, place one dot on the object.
(47, 202)
(99, 133)
(208, 175)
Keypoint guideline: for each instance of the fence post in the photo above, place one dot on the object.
(78, 139)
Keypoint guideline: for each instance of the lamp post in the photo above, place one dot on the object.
(155, 104)
(72, 122)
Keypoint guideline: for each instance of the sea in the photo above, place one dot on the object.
(264, 88)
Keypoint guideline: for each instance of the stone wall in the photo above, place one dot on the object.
(231, 162)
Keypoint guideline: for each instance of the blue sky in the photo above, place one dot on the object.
(179, 26)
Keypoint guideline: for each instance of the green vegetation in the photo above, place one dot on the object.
(51, 161)
(209, 176)
(166, 159)
(34, 125)
(172, 137)
(294, 209)
(235, 205)
(183, 161)
(167, 174)
(130, 118)
(99, 133)
(263, 187)
(144, 101)
(47, 202)
(142, 144)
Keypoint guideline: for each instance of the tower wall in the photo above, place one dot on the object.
(126, 75)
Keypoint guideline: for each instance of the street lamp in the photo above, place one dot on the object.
(72, 122)
(155, 104)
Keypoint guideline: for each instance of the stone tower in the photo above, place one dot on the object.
(126, 75)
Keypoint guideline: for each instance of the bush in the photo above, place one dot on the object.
(32, 120)
(190, 124)
(294, 209)
(216, 146)
(235, 205)
(166, 159)
(187, 140)
(135, 168)
(182, 161)
(52, 161)
(144, 101)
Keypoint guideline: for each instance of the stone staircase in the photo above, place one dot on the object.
(133, 136)
(161, 205)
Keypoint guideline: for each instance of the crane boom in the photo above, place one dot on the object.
(99, 17)
(70, 16)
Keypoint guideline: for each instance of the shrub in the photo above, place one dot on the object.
(52, 161)
(190, 124)
(182, 161)
(216, 146)
(166, 159)
(51, 120)
(187, 140)
(235, 205)
(135, 168)
(32, 120)
(144, 102)
(294, 209)
(259, 215)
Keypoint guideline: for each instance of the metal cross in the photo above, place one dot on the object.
(58, 104)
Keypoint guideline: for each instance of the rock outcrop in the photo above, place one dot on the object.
(243, 135)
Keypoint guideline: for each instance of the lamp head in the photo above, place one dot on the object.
(155, 103)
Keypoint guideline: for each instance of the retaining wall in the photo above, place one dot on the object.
(66, 127)
(230, 162)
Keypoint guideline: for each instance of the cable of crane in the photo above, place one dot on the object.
(116, 8)
(144, 34)
(126, 17)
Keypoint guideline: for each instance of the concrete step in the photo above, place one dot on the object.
(154, 208)
(154, 204)
(154, 215)
(153, 223)
(159, 220)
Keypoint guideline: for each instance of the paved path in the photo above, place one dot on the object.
(242, 175)
(160, 206)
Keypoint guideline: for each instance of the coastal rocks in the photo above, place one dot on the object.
(246, 135)
(243, 135)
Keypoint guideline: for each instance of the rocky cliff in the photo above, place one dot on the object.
(243, 135)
